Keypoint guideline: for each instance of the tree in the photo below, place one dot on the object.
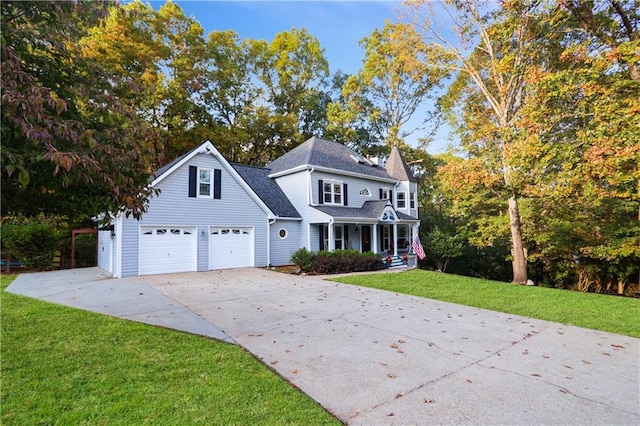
(582, 149)
(69, 142)
(490, 88)
(442, 247)
(400, 73)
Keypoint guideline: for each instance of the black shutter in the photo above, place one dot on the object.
(320, 192)
(321, 245)
(217, 184)
(344, 194)
(391, 197)
(193, 180)
(380, 194)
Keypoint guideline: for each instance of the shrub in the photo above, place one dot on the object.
(335, 262)
(304, 259)
(33, 241)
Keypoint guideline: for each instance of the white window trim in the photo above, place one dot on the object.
(286, 234)
(367, 192)
(412, 200)
(385, 193)
(199, 195)
(333, 184)
(404, 200)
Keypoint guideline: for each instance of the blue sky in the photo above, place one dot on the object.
(338, 26)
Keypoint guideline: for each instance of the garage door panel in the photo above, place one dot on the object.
(230, 247)
(166, 249)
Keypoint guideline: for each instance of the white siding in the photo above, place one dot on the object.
(174, 207)
(283, 248)
(354, 185)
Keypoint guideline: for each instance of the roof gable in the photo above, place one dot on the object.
(317, 152)
(208, 148)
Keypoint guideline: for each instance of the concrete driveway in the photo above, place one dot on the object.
(375, 357)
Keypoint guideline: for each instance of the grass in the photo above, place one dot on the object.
(595, 311)
(67, 366)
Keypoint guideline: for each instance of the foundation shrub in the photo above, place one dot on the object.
(335, 262)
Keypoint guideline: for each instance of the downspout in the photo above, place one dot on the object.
(269, 223)
(310, 203)
(310, 188)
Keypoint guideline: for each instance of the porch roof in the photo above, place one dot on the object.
(370, 210)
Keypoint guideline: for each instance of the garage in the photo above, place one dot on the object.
(230, 247)
(166, 249)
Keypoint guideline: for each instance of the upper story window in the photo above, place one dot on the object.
(385, 193)
(205, 183)
(365, 192)
(401, 200)
(332, 193)
(412, 200)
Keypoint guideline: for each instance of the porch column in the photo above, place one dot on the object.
(332, 243)
(395, 239)
(374, 238)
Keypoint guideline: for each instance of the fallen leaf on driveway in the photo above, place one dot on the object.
(391, 376)
(273, 362)
(294, 371)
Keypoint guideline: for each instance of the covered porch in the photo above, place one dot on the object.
(376, 228)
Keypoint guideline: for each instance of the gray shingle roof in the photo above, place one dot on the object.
(323, 153)
(397, 167)
(369, 210)
(267, 189)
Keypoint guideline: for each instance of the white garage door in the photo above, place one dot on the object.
(230, 247)
(165, 249)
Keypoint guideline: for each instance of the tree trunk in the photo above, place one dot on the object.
(519, 261)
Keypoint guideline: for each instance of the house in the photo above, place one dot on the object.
(211, 214)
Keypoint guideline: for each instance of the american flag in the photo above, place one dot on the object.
(417, 248)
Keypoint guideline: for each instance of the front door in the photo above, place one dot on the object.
(366, 238)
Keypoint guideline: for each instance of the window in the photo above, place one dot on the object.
(282, 233)
(204, 183)
(365, 192)
(332, 193)
(338, 237)
(384, 193)
(401, 200)
(412, 200)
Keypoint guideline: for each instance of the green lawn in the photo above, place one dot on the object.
(596, 311)
(66, 366)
